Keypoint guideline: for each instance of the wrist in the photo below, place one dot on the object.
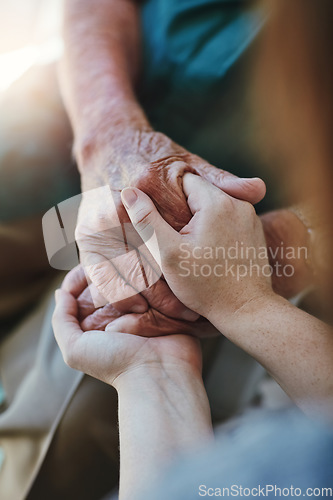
(112, 140)
(157, 375)
(234, 322)
(174, 392)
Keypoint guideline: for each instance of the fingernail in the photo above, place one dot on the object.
(129, 197)
(189, 315)
(250, 179)
(111, 328)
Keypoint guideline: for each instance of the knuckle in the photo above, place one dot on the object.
(142, 218)
(54, 322)
(78, 233)
(248, 209)
(145, 180)
(98, 273)
(69, 358)
(69, 354)
(227, 204)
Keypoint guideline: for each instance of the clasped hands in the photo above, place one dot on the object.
(101, 342)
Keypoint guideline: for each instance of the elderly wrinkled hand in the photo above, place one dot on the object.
(151, 323)
(156, 165)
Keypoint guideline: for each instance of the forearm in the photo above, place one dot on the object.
(100, 65)
(161, 413)
(289, 252)
(296, 348)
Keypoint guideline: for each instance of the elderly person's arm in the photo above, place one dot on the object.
(116, 146)
(98, 72)
(163, 406)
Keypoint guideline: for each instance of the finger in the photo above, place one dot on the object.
(160, 297)
(200, 194)
(252, 189)
(65, 324)
(75, 282)
(100, 318)
(86, 304)
(135, 304)
(155, 324)
(108, 261)
(120, 266)
(148, 222)
(149, 324)
(116, 279)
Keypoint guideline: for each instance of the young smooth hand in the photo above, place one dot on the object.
(218, 262)
(111, 355)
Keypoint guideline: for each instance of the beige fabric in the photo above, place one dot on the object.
(58, 429)
(14, 479)
(24, 268)
(38, 386)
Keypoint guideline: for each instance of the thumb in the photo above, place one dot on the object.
(202, 196)
(149, 224)
(251, 189)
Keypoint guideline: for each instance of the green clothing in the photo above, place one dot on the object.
(195, 79)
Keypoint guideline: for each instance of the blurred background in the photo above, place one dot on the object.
(30, 33)
(36, 170)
